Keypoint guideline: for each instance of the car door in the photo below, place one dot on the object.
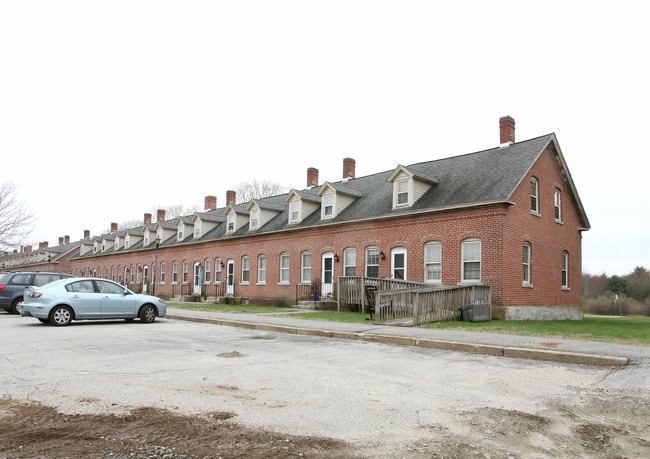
(84, 299)
(114, 301)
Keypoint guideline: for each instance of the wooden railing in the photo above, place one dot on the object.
(400, 300)
(428, 304)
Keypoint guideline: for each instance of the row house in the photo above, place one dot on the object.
(508, 217)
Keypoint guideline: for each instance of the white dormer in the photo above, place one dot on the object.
(335, 198)
(235, 219)
(261, 212)
(301, 205)
(184, 226)
(107, 243)
(408, 187)
(204, 222)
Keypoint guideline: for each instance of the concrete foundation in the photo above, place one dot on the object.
(536, 313)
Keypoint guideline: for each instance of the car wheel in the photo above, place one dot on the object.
(61, 316)
(14, 306)
(148, 313)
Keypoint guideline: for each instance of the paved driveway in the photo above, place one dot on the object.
(345, 389)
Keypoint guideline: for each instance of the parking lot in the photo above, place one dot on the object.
(352, 398)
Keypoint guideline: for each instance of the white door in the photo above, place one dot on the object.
(230, 287)
(398, 269)
(198, 278)
(327, 274)
(145, 278)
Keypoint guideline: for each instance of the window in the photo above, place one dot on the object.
(231, 223)
(372, 262)
(185, 272)
(294, 211)
(402, 192)
(328, 205)
(197, 229)
(305, 269)
(284, 268)
(180, 230)
(175, 272)
(433, 262)
(132, 280)
(162, 273)
(534, 196)
(526, 265)
(565, 270)
(471, 256)
(217, 270)
(255, 218)
(245, 270)
(261, 269)
(350, 262)
(208, 270)
(558, 205)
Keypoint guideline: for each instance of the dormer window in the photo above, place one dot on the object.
(126, 241)
(231, 223)
(294, 211)
(181, 229)
(402, 192)
(197, 229)
(328, 205)
(255, 218)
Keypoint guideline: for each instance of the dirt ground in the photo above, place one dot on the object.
(600, 424)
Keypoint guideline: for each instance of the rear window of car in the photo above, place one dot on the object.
(21, 279)
(4, 278)
(42, 279)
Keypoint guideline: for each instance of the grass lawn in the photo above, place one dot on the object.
(614, 329)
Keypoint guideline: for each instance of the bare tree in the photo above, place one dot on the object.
(16, 219)
(257, 189)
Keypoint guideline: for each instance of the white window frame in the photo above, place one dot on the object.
(218, 270)
(245, 270)
(328, 205)
(468, 257)
(185, 272)
(371, 261)
(565, 270)
(197, 229)
(306, 261)
(534, 196)
(207, 271)
(261, 270)
(402, 192)
(557, 200)
(526, 259)
(179, 231)
(255, 218)
(284, 268)
(350, 262)
(230, 223)
(433, 263)
(294, 211)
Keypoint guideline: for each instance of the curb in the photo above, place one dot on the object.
(483, 349)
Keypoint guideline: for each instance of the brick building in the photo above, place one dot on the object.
(509, 217)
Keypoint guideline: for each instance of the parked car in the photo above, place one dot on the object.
(12, 285)
(79, 298)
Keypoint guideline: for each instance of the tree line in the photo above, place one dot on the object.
(625, 295)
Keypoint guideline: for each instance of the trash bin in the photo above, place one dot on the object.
(479, 312)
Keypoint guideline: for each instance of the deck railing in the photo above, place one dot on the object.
(400, 300)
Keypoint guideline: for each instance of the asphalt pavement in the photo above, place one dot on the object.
(495, 344)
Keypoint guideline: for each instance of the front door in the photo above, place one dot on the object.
(328, 274)
(399, 264)
(230, 287)
(198, 278)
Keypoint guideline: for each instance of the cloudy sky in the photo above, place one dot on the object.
(109, 110)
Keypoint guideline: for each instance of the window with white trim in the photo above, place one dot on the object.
(175, 272)
(526, 264)
(328, 205)
(284, 268)
(180, 230)
(294, 211)
(433, 262)
(565, 270)
(197, 229)
(185, 273)
(558, 205)
(471, 260)
(305, 268)
(255, 218)
(208, 271)
(534, 196)
(230, 223)
(218, 264)
(261, 269)
(403, 192)
(372, 262)
(245, 269)
(162, 273)
(350, 262)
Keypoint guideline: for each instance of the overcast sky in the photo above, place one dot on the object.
(109, 110)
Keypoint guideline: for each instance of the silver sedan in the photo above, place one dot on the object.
(62, 301)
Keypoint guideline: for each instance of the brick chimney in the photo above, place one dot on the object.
(43, 245)
(60, 241)
(86, 234)
(147, 218)
(67, 239)
(348, 168)
(210, 202)
(160, 215)
(506, 130)
(113, 227)
(312, 177)
(231, 197)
